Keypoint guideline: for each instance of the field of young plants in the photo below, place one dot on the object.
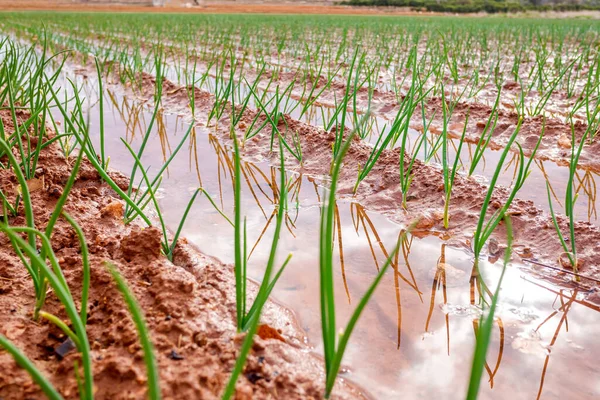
(293, 207)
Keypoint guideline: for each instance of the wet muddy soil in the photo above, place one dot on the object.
(188, 303)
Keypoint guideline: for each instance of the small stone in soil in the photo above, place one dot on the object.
(64, 348)
(253, 377)
(173, 355)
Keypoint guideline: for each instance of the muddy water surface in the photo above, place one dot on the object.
(416, 336)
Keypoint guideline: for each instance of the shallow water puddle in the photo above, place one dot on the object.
(416, 337)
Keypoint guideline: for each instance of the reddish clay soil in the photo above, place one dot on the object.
(208, 8)
(189, 306)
